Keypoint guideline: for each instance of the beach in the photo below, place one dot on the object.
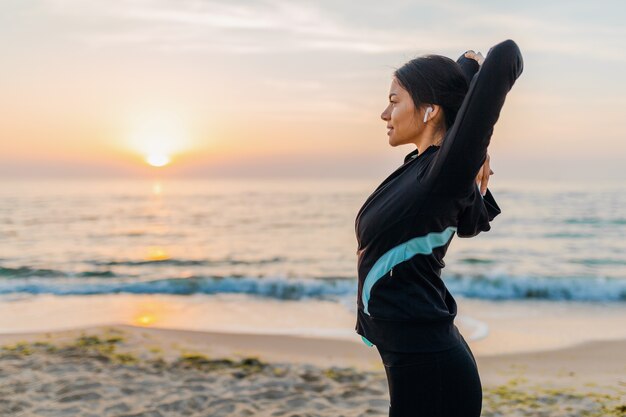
(125, 370)
(199, 199)
(238, 298)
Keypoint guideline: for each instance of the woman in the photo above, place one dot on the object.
(447, 110)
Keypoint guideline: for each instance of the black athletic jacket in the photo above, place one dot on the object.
(405, 226)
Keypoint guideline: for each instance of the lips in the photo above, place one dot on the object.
(389, 129)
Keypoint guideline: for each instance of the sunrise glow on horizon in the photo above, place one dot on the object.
(157, 136)
(290, 88)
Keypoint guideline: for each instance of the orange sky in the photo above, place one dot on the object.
(284, 88)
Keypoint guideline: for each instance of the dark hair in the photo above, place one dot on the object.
(434, 79)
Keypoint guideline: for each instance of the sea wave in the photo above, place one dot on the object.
(496, 287)
(187, 262)
(30, 271)
(27, 272)
(277, 287)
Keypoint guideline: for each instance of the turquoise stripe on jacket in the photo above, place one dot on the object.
(422, 245)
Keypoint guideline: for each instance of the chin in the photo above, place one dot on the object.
(393, 143)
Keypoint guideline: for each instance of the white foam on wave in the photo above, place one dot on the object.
(498, 286)
(477, 329)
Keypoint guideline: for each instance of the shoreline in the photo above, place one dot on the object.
(491, 327)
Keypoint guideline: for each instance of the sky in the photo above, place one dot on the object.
(290, 88)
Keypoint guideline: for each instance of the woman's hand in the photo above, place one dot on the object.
(478, 57)
(482, 178)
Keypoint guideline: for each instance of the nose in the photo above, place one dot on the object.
(385, 114)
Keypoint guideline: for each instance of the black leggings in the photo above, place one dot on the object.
(437, 384)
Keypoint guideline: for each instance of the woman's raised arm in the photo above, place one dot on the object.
(468, 66)
(464, 147)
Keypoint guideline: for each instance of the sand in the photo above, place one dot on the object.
(128, 371)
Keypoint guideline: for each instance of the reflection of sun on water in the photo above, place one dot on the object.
(145, 319)
(149, 312)
(157, 254)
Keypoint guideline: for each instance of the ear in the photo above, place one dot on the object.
(434, 114)
(436, 110)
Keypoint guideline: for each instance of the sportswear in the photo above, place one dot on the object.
(434, 384)
(405, 226)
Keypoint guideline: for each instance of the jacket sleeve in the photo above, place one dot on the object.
(468, 66)
(464, 147)
(477, 214)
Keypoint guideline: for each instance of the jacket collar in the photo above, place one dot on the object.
(415, 153)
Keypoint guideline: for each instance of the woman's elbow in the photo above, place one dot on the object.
(509, 56)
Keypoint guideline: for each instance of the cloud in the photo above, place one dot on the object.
(291, 26)
(270, 26)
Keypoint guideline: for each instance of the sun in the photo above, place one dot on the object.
(157, 136)
(158, 160)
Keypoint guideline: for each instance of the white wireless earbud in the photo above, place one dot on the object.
(428, 110)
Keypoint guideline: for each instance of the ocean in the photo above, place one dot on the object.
(290, 240)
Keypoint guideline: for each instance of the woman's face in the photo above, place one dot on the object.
(401, 117)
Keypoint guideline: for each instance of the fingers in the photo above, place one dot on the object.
(476, 56)
(481, 180)
(482, 177)
(484, 180)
